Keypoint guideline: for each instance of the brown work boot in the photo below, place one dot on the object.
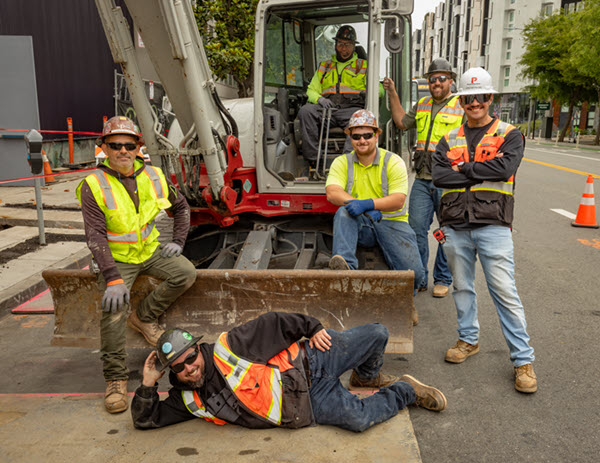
(440, 291)
(115, 398)
(525, 379)
(151, 331)
(427, 396)
(415, 317)
(337, 262)
(460, 352)
(380, 380)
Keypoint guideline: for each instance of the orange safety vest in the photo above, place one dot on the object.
(196, 407)
(257, 386)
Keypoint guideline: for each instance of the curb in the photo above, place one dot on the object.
(35, 284)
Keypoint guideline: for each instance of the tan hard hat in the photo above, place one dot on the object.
(362, 118)
(119, 125)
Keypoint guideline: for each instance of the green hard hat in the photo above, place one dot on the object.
(173, 343)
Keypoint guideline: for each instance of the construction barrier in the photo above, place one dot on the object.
(48, 177)
(586, 214)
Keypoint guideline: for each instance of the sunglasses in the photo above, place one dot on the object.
(366, 136)
(481, 97)
(440, 79)
(118, 146)
(187, 361)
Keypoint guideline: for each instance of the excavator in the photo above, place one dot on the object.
(261, 224)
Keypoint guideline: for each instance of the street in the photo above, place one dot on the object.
(486, 419)
(557, 269)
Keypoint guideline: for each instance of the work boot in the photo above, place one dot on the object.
(415, 317)
(460, 352)
(427, 396)
(337, 262)
(440, 291)
(115, 398)
(380, 380)
(525, 379)
(151, 331)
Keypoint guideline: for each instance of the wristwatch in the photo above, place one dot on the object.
(460, 164)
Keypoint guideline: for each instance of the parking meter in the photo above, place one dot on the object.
(33, 139)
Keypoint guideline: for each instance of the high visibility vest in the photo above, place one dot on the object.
(196, 407)
(353, 77)
(448, 118)
(132, 235)
(257, 386)
(384, 181)
(485, 150)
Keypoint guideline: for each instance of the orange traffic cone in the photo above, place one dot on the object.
(48, 177)
(586, 215)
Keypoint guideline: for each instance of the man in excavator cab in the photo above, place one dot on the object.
(370, 185)
(338, 87)
(119, 202)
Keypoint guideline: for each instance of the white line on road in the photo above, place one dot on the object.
(562, 153)
(565, 213)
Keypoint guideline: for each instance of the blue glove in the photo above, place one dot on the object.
(374, 216)
(170, 250)
(115, 298)
(325, 102)
(356, 207)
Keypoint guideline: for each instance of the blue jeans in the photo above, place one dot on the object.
(361, 349)
(423, 202)
(396, 240)
(494, 245)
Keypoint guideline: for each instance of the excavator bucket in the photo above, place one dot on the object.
(222, 299)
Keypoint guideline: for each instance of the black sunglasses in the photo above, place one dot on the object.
(187, 361)
(118, 146)
(440, 79)
(481, 97)
(366, 136)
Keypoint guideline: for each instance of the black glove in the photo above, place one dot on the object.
(170, 250)
(325, 102)
(115, 298)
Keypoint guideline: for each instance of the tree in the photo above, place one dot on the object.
(547, 58)
(585, 54)
(227, 29)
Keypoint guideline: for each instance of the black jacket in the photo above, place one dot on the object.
(257, 341)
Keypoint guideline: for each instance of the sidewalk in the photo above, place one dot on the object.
(22, 259)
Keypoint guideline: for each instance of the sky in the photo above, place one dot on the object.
(422, 7)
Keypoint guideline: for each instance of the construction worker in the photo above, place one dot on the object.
(370, 186)
(119, 202)
(339, 83)
(262, 374)
(433, 117)
(476, 165)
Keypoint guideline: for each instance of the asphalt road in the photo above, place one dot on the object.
(557, 269)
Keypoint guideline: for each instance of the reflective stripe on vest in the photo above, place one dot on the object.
(196, 407)
(384, 180)
(107, 193)
(131, 237)
(153, 174)
(235, 370)
(457, 143)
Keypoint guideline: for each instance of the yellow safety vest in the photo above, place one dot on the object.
(353, 77)
(132, 235)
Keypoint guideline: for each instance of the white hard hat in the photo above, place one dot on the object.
(475, 81)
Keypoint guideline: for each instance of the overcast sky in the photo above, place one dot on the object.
(422, 7)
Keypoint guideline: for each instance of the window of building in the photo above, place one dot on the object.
(510, 20)
(506, 82)
(507, 72)
(507, 47)
(547, 9)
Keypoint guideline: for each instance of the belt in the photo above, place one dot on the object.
(305, 361)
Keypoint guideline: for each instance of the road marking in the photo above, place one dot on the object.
(567, 214)
(580, 172)
(595, 243)
(562, 153)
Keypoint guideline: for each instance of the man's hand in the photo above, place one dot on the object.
(374, 216)
(325, 103)
(115, 298)
(170, 250)
(150, 374)
(389, 86)
(321, 340)
(355, 207)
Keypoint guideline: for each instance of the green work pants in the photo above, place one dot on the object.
(178, 274)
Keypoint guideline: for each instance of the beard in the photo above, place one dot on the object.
(194, 384)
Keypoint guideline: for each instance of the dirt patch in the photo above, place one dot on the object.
(33, 244)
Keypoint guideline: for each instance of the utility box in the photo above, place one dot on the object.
(19, 108)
